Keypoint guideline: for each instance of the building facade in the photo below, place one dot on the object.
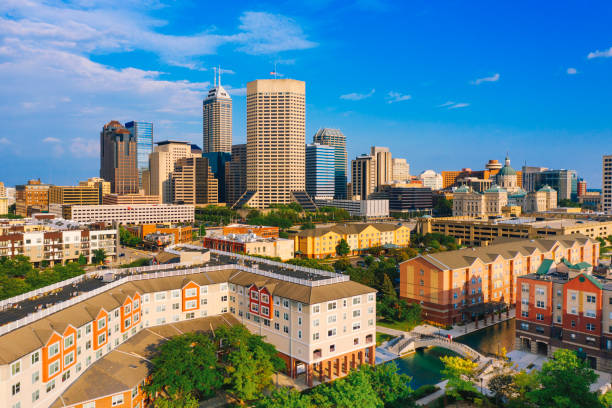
(126, 213)
(99, 184)
(235, 174)
(31, 198)
(372, 209)
(218, 162)
(217, 120)
(118, 158)
(74, 195)
(320, 171)
(276, 111)
(401, 170)
(251, 244)
(161, 165)
(113, 199)
(335, 138)
(383, 164)
(431, 179)
(363, 177)
(143, 132)
(321, 243)
(193, 182)
(404, 197)
(455, 286)
(93, 351)
(606, 184)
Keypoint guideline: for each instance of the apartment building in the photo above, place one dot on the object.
(370, 209)
(88, 351)
(251, 244)
(82, 195)
(363, 177)
(461, 285)
(53, 241)
(4, 206)
(478, 231)
(564, 305)
(126, 213)
(321, 242)
(31, 198)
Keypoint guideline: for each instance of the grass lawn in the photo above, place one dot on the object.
(382, 337)
(392, 324)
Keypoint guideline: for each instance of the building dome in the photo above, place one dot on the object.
(495, 189)
(507, 170)
(547, 188)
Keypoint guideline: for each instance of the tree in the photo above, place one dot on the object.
(388, 289)
(343, 248)
(185, 365)
(202, 230)
(82, 260)
(460, 373)
(389, 385)
(99, 255)
(355, 390)
(503, 386)
(443, 207)
(180, 401)
(284, 398)
(565, 381)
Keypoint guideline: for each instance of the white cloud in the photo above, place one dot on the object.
(453, 105)
(4, 141)
(80, 147)
(493, 78)
(600, 54)
(572, 71)
(353, 96)
(51, 140)
(393, 96)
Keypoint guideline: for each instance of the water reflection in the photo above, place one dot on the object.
(491, 339)
(424, 366)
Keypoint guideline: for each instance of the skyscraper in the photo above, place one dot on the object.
(193, 182)
(161, 163)
(217, 120)
(320, 171)
(335, 138)
(276, 143)
(363, 177)
(217, 162)
(235, 174)
(384, 165)
(143, 132)
(401, 170)
(606, 184)
(118, 158)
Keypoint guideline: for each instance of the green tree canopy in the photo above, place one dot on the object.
(343, 248)
(99, 255)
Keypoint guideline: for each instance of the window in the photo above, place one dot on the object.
(176, 306)
(265, 311)
(356, 326)
(590, 326)
(331, 306)
(371, 297)
(35, 377)
(356, 313)
(117, 400)
(540, 304)
(15, 368)
(136, 303)
(539, 316)
(591, 299)
(315, 323)
(53, 368)
(69, 359)
(16, 388)
(51, 386)
(277, 326)
(590, 313)
(191, 292)
(87, 344)
(53, 349)
(317, 308)
(224, 298)
(524, 313)
(286, 329)
(331, 319)
(101, 324)
(191, 304)
(35, 396)
(524, 326)
(299, 334)
(101, 339)
(68, 341)
(66, 376)
(176, 293)
(266, 299)
(35, 357)
(331, 332)
(160, 296)
(254, 295)
(127, 309)
(285, 303)
(315, 336)
(357, 300)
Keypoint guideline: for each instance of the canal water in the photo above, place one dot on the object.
(424, 366)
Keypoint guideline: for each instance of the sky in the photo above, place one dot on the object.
(444, 84)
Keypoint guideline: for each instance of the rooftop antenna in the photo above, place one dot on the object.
(215, 69)
(219, 73)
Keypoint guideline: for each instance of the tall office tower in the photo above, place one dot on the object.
(363, 177)
(143, 132)
(218, 161)
(320, 171)
(401, 170)
(276, 141)
(582, 187)
(193, 182)
(217, 120)
(531, 176)
(118, 158)
(384, 165)
(335, 138)
(235, 174)
(606, 185)
(161, 165)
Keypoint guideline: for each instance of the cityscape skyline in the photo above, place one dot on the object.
(524, 100)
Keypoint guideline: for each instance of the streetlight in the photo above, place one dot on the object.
(481, 385)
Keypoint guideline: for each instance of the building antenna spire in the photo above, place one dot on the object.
(219, 73)
(215, 80)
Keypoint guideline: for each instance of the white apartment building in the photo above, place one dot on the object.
(126, 213)
(91, 350)
(360, 208)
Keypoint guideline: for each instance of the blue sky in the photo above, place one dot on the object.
(444, 84)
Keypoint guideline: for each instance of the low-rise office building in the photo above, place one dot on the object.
(563, 305)
(49, 240)
(93, 350)
(115, 199)
(259, 230)
(82, 195)
(181, 234)
(405, 197)
(31, 198)
(321, 242)
(371, 209)
(482, 231)
(251, 244)
(4, 205)
(126, 213)
(460, 285)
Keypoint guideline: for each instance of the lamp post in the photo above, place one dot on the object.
(481, 385)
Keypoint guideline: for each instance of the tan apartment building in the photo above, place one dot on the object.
(31, 198)
(323, 325)
(276, 146)
(482, 231)
(4, 207)
(384, 165)
(101, 185)
(82, 195)
(193, 182)
(460, 285)
(126, 213)
(161, 166)
(363, 177)
(321, 242)
(114, 199)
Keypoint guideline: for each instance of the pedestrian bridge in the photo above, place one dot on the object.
(412, 342)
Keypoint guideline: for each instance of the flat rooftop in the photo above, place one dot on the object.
(527, 221)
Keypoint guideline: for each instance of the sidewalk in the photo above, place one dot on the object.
(432, 397)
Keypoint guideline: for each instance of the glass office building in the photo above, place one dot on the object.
(144, 144)
(320, 171)
(335, 138)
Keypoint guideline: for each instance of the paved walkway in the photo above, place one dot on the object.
(392, 332)
(432, 397)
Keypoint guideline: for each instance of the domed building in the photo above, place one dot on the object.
(506, 178)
